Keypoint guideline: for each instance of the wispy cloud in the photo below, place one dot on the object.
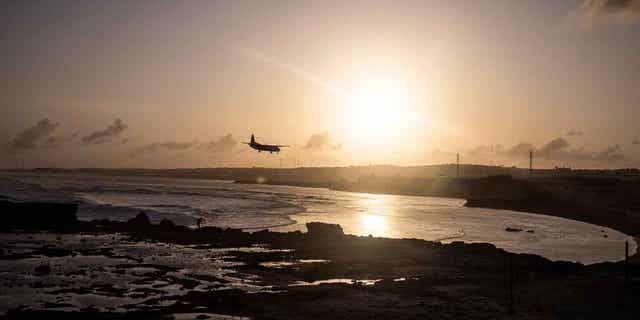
(222, 144)
(574, 133)
(33, 136)
(605, 11)
(322, 140)
(558, 149)
(57, 141)
(164, 146)
(287, 67)
(106, 135)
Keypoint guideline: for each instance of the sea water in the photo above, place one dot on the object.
(284, 208)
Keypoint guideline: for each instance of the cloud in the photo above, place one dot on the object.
(617, 11)
(106, 135)
(222, 144)
(323, 140)
(31, 137)
(496, 150)
(487, 150)
(52, 141)
(558, 149)
(573, 133)
(56, 141)
(612, 153)
(165, 146)
(553, 148)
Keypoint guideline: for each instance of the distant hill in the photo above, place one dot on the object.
(351, 173)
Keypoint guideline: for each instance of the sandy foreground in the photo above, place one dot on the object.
(115, 270)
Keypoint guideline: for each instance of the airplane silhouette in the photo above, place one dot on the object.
(263, 147)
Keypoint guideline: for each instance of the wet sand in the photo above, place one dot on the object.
(136, 269)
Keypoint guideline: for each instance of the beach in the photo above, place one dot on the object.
(135, 268)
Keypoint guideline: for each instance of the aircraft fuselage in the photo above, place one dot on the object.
(264, 147)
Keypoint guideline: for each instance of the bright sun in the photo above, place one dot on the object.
(378, 108)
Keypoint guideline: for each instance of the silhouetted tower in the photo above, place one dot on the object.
(530, 162)
(457, 165)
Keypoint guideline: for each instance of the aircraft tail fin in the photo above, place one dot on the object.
(253, 140)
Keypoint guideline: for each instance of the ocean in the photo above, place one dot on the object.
(283, 208)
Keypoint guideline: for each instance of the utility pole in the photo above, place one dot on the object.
(511, 281)
(457, 165)
(626, 260)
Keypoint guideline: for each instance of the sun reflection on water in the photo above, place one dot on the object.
(374, 221)
(373, 224)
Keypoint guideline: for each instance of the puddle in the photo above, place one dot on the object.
(404, 279)
(111, 272)
(208, 316)
(284, 264)
(276, 264)
(314, 261)
(363, 282)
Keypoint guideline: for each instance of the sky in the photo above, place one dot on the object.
(176, 84)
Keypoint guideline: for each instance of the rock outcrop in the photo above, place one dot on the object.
(324, 230)
(140, 221)
(37, 215)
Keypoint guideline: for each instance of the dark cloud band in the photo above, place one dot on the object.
(107, 134)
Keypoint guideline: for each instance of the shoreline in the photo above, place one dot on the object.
(604, 201)
(299, 275)
(538, 202)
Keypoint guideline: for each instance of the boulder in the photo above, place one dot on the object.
(167, 224)
(139, 221)
(37, 215)
(325, 230)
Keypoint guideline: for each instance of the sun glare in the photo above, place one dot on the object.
(378, 107)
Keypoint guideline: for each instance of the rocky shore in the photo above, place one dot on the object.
(165, 271)
(605, 201)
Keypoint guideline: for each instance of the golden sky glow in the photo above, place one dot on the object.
(344, 83)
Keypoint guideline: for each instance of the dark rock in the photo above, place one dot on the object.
(318, 229)
(261, 233)
(43, 215)
(531, 231)
(140, 221)
(509, 229)
(42, 269)
(167, 224)
(54, 252)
